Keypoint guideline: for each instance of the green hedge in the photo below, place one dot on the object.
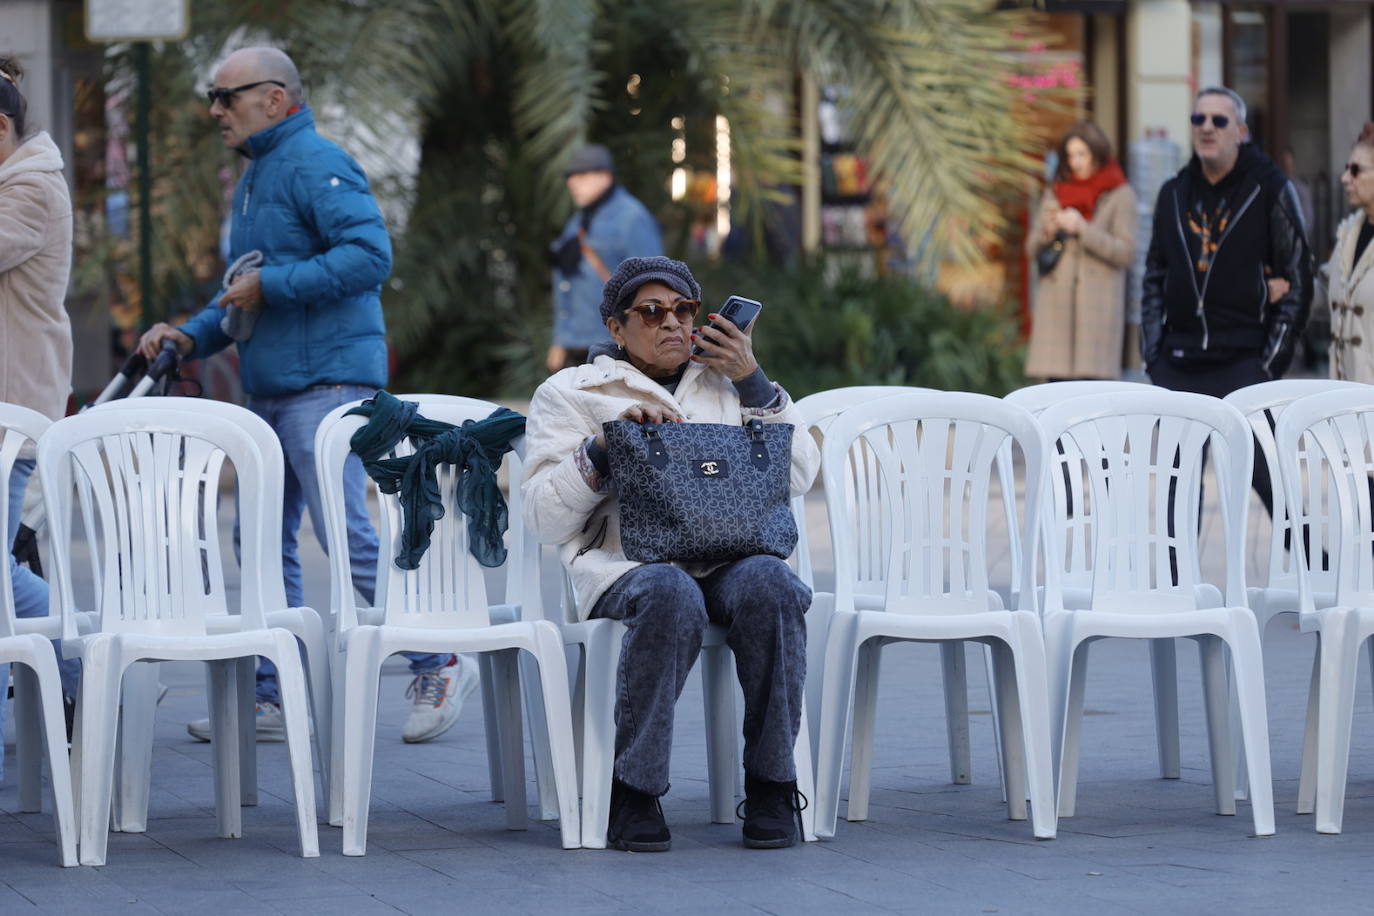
(827, 326)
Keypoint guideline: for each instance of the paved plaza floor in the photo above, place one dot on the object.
(437, 844)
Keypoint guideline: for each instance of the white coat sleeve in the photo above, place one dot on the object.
(557, 499)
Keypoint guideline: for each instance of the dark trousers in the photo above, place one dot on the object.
(1220, 380)
(762, 604)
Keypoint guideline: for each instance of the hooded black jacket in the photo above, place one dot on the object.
(1224, 314)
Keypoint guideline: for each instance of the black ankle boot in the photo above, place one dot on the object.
(772, 813)
(636, 823)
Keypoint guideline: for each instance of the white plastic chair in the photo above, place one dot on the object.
(147, 473)
(440, 607)
(1143, 454)
(1073, 529)
(818, 412)
(1340, 425)
(1262, 405)
(929, 460)
(38, 713)
(139, 702)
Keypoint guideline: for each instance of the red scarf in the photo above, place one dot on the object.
(1082, 195)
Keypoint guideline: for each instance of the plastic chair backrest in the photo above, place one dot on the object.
(19, 426)
(921, 465)
(149, 474)
(214, 598)
(818, 411)
(1067, 515)
(1143, 454)
(1340, 424)
(1262, 406)
(448, 590)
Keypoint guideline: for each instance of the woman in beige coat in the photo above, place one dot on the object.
(1079, 322)
(1350, 273)
(35, 336)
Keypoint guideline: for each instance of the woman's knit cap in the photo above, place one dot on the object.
(635, 272)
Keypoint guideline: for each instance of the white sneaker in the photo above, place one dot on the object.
(439, 697)
(271, 725)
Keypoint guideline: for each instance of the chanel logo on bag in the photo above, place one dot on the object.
(716, 468)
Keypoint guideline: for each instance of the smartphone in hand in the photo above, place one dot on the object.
(740, 311)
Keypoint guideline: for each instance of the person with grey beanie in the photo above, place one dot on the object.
(609, 225)
(647, 373)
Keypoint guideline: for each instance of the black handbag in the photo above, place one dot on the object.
(702, 492)
(1046, 258)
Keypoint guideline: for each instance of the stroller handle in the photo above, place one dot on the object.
(166, 361)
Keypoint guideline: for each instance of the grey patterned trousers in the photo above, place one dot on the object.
(762, 604)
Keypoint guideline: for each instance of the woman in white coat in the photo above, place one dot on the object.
(35, 335)
(1350, 272)
(650, 375)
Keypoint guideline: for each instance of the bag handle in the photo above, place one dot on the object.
(656, 450)
(758, 448)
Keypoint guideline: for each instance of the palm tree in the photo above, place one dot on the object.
(497, 91)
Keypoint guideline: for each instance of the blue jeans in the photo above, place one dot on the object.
(294, 418)
(30, 595)
(762, 604)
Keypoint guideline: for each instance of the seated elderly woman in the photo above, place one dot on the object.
(651, 376)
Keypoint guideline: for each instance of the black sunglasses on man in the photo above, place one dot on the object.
(225, 97)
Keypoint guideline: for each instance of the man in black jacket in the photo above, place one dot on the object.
(1224, 227)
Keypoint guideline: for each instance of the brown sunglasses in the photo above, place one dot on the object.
(654, 312)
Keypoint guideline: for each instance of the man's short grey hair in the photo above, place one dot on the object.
(274, 64)
(1231, 94)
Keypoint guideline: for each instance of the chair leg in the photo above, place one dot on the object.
(552, 673)
(138, 709)
(1164, 673)
(511, 733)
(836, 704)
(317, 669)
(806, 777)
(579, 704)
(954, 667)
(1334, 714)
(539, 738)
(362, 673)
(990, 673)
(1242, 772)
(1010, 701)
(295, 713)
(818, 619)
(224, 715)
(1075, 687)
(28, 736)
(101, 674)
(1216, 702)
(247, 670)
(865, 716)
(722, 753)
(1027, 656)
(337, 764)
(492, 728)
(1248, 662)
(54, 735)
(598, 734)
(1307, 780)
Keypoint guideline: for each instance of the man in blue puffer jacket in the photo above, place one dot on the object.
(308, 323)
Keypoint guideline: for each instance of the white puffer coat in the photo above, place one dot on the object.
(562, 508)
